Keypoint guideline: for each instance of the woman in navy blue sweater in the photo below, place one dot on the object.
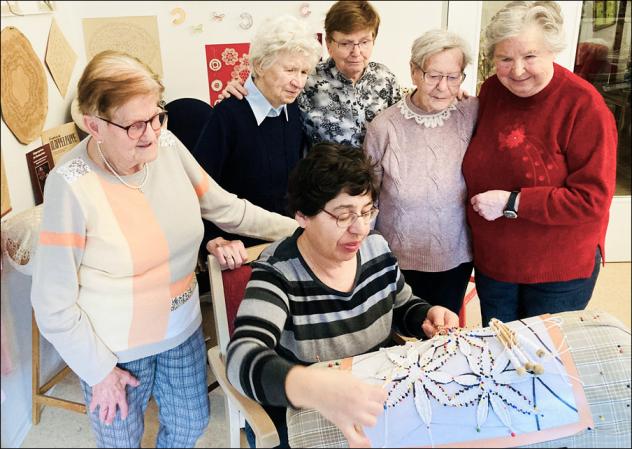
(250, 147)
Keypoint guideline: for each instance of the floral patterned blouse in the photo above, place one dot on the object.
(336, 110)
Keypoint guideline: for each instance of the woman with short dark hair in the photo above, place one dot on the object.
(331, 290)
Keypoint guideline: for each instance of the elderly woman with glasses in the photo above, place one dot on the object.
(331, 290)
(114, 288)
(348, 90)
(419, 145)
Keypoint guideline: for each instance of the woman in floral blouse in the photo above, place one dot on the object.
(346, 91)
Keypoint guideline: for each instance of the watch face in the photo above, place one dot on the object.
(510, 214)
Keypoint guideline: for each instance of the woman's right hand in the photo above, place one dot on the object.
(346, 401)
(235, 88)
(110, 394)
(230, 254)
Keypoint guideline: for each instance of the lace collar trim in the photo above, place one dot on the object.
(430, 120)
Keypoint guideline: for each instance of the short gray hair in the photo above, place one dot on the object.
(283, 34)
(511, 20)
(435, 41)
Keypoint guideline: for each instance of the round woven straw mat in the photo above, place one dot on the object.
(24, 87)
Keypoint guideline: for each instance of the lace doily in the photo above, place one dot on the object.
(429, 121)
(20, 234)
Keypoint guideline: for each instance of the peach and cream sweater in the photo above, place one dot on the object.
(114, 278)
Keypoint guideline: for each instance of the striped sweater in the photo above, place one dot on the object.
(290, 317)
(113, 277)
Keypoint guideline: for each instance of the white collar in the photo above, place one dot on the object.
(427, 120)
(260, 105)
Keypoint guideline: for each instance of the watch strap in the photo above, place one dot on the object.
(511, 202)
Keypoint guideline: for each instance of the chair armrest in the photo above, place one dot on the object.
(253, 412)
(255, 251)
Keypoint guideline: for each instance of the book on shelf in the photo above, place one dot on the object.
(40, 163)
(61, 139)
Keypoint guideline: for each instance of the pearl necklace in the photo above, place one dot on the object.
(107, 164)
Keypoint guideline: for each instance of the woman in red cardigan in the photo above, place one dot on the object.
(540, 172)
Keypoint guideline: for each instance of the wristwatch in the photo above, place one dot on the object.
(510, 208)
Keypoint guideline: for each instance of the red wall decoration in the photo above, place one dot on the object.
(225, 62)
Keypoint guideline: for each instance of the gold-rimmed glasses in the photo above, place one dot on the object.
(434, 78)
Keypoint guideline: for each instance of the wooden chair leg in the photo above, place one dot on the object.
(39, 397)
(233, 425)
(35, 368)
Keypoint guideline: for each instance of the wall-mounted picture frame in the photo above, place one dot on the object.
(604, 13)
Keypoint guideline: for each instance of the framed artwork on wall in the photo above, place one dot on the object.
(604, 13)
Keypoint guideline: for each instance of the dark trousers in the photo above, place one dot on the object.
(277, 415)
(507, 301)
(443, 288)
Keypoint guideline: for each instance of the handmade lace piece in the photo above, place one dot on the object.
(482, 372)
(20, 234)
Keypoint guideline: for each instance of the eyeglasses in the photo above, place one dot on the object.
(347, 219)
(348, 46)
(137, 129)
(434, 78)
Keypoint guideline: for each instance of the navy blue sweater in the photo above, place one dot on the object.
(252, 161)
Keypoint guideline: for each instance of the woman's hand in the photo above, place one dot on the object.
(341, 398)
(235, 88)
(230, 254)
(462, 95)
(439, 318)
(110, 393)
(490, 204)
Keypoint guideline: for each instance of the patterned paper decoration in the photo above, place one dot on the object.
(223, 63)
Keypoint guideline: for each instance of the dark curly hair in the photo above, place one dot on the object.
(328, 170)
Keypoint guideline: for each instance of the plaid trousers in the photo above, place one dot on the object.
(177, 380)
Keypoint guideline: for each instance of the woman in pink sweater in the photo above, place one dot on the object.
(418, 145)
(540, 172)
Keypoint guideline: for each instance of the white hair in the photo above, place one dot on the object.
(512, 20)
(435, 41)
(283, 34)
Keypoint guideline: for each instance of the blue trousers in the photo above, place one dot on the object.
(507, 301)
(177, 380)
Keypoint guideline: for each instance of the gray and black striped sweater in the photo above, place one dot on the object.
(290, 317)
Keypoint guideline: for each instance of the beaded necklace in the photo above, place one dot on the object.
(107, 164)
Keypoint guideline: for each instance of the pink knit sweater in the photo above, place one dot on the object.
(423, 194)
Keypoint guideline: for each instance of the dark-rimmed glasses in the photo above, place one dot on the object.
(347, 219)
(137, 129)
(348, 46)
